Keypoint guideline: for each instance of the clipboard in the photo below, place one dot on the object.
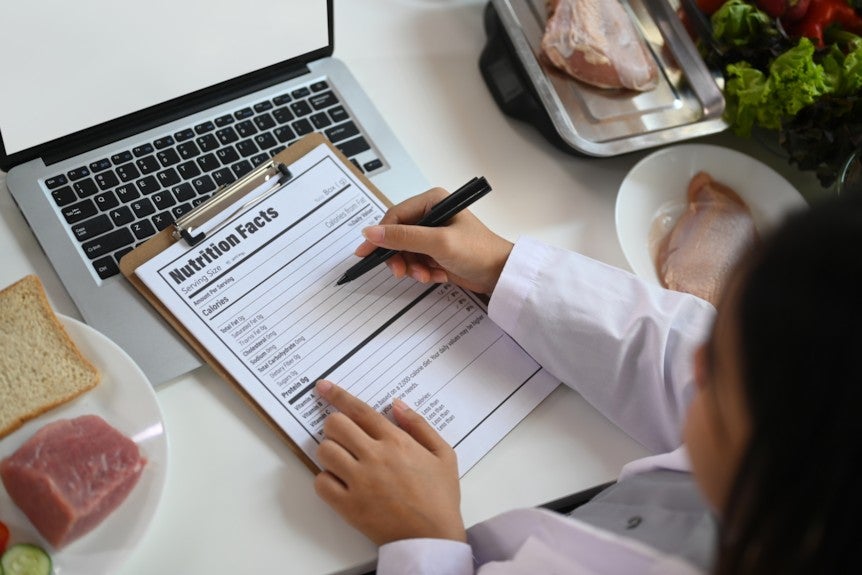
(185, 230)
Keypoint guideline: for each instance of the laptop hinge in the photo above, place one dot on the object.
(116, 130)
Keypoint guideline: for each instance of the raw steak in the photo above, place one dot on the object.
(71, 475)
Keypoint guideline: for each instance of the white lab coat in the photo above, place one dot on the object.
(627, 347)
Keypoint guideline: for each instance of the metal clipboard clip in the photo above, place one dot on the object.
(186, 225)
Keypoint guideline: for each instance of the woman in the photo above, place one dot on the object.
(760, 420)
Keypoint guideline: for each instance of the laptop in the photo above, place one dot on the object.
(136, 116)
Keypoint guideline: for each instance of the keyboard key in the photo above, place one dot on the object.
(227, 155)
(106, 180)
(64, 196)
(92, 227)
(264, 141)
(147, 185)
(324, 100)
(188, 170)
(142, 207)
(199, 200)
(281, 100)
(263, 106)
(341, 132)
(184, 135)
(259, 159)
(223, 121)
(283, 115)
(354, 146)
(147, 164)
(107, 243)
(127, 192)
(320, 120)
(121, 216)
(162, 143)
(209, 142)
(188, 150)
(277, 150)
(128, 172)
(106, 201)
(247, 148)
(106, 267)
(300, 92)
(100, 165)
(243, 114)
(80, 211)
(78, 173)
(264, 122)
(162, 220)
(226, 136)
(203, 184)
(338, 114)
(204, 127)
(142, 150)
(85, 188)
(318, 86)
(121, 158)
(178, 211)
(372, 165)
(183, 192)
(168, 157)
(163, 199)
(246, 129)
(241, 168)
(118, 255)
(223, 177)
(208, 162)
(284, 134)
(143, 229)
(168, 177)
(300, 108)
(302, 127)
(55, 182)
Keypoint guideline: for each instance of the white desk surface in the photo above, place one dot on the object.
(237, 500)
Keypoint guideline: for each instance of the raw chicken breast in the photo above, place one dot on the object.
(596, 42)
(701, 250)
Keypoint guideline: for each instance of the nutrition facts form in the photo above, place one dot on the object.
(259, 294)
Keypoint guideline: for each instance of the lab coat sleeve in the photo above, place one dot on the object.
(624, 344)
(425, 557)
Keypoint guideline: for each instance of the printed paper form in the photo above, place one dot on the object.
(260, 295)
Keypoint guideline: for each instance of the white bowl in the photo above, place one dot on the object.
(653, 195)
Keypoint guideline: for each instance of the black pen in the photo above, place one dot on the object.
(437, 216)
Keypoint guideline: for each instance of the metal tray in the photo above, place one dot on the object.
(687, 102)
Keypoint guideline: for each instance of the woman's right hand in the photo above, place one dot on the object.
(464, 251)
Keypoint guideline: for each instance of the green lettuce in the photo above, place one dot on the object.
(793, 82)
(738, 23)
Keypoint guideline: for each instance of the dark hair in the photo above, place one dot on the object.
(795, 505)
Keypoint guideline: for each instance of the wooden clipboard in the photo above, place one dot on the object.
(164, 239)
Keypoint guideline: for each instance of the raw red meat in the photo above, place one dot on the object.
(71, 475)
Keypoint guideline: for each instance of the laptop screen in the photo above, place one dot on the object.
(110, 58)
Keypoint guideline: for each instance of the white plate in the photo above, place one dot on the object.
(653, 195)
(126, 400)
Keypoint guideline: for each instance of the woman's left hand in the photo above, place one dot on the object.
(389, 482)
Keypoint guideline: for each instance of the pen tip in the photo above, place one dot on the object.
(342, 280)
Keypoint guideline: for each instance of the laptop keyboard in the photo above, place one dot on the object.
(116, 203)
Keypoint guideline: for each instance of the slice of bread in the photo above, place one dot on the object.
(40, 366)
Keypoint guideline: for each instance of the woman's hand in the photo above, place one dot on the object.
(464, 251)
(389, 482)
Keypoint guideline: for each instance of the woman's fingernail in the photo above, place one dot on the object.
(374, 234)
(400, 405)
(323, 386)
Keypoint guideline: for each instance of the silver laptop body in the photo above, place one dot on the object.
(111, 305)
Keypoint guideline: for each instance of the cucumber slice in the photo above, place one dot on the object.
(25, 559)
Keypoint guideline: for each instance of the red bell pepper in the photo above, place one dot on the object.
(821, 15)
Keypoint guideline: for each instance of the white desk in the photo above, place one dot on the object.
(237, 500)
